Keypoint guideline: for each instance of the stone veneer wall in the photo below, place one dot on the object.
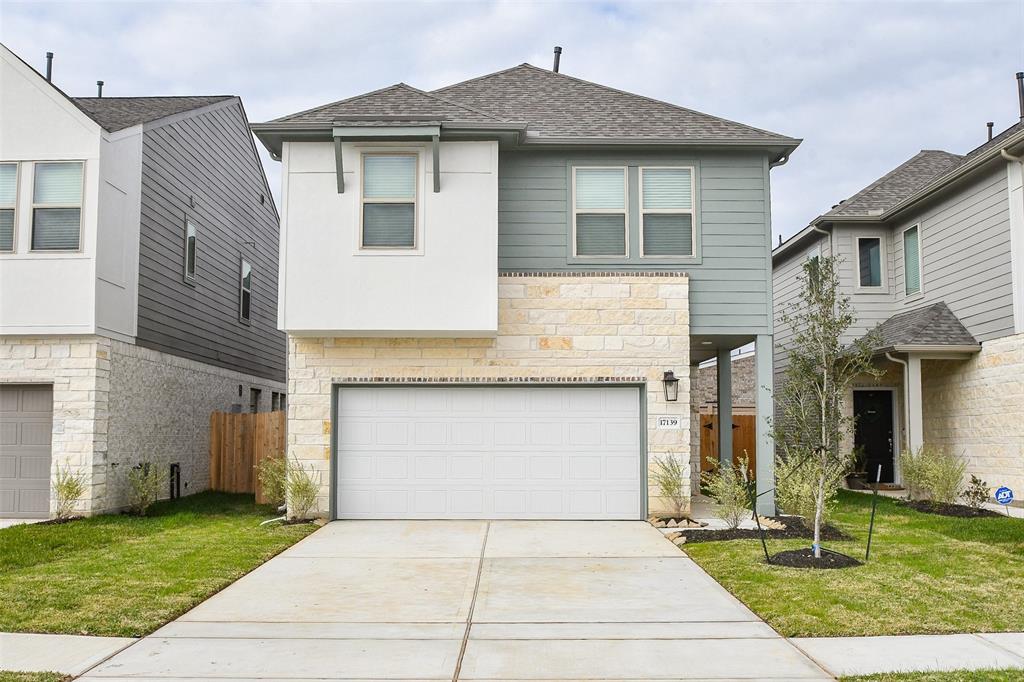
(558, 327)
(976, 409)
(115, 404)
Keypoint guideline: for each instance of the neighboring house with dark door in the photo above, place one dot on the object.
(138, 285)
(496, 293)
(932, 254)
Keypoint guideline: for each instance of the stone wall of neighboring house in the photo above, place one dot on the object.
(564, 327)
(976, 409)
(744, 385)
(115, 404)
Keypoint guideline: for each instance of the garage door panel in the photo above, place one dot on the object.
(26, 425)
(488, 452)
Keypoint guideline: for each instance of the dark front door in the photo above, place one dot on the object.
(873, 432)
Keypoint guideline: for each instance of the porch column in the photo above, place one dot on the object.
(915, 412)
(763, 359)
(725, 407)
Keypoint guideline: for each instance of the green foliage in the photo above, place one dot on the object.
(68, 489)
(821, 369)
(798, 485)
(729, 486)
(272, 473)
(670, 474)
(976, 493)
(303, 489)
(932, 473)
(144, 485)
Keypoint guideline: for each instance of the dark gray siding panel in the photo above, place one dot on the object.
(204, 167)
(728, 280)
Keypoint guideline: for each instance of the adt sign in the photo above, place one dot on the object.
(1004, 495)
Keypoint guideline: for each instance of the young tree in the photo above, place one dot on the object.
(811, 424)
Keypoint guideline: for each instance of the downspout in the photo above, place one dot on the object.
(827, 233)
(906, 391)
(781, 161)
(1010, 157)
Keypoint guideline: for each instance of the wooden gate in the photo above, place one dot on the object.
(238, 443)
(744, 438)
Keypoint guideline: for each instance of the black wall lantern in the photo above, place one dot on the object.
(671, 386)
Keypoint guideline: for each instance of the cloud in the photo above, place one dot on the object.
(865, 84)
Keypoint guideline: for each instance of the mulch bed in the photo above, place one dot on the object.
(804, 558)
(959, 511)
(55, 522)
(794, 530)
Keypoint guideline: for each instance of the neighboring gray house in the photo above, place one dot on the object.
(138, 271)
(933, 254)
(495, 282)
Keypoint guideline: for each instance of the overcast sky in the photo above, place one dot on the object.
(866, 85)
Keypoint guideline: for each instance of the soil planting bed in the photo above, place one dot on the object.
(957, 510)
(56, 522)
(804, 558)
(794, 530)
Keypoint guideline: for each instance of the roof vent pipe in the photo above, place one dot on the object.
(1020, 92)
(989, 126)
(49, 66)
(99, 93)
(558, 58)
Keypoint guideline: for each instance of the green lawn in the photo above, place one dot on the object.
(127, 576)
(952, 676)
(927, 574)
(32, 677)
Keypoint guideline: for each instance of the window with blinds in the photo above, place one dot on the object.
(389, 201)
(666, 206)
(8, 202)
(57, 206)
(599, 211)
(245, 292)
(912, 260)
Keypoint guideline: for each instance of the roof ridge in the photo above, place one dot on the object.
(157, 97)
(335, 103)
(890, 174)
(479, 78)
(450, 101)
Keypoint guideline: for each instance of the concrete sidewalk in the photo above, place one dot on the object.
(67, 654)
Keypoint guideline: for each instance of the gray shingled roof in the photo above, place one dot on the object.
(898, 184)
(400, 101)
(118, 113)
(550, 105)
(933, 325)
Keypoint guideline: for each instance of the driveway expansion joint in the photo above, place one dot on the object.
(472, 604)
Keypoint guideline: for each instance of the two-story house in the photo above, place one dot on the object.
(495, 292)
(932, 254)
(138, 286)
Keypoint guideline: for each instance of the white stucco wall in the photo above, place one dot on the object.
(446, 287)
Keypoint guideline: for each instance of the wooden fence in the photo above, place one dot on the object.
(744, 438)
(238, 443)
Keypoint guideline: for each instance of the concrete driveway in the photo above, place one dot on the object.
(468, 600)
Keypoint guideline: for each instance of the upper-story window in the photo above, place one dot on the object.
(869, 262)
(57, 206)
(389, 201)
(190, 251)
(245, 292)
(912, 260)
(599, 211)
(8, 202)
(666, 201)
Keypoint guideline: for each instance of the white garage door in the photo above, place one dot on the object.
(487, 452)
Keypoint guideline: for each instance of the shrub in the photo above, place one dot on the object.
(272, 473)
(144, 485)
(976, 493)
(798, 484)
(302, 490)
(68, 488)
(933, 473)
(729, 486)
(670, 475)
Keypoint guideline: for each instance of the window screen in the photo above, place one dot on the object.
(57, 206)
(869, 258)
(599, 209)
(389, 201)
(912, 261)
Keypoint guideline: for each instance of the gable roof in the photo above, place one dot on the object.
(897, 184)
(543, 106)
(933, 325)
(118, 113)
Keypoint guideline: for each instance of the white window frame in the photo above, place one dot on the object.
(692, 211)
(415, 153)
(14, 207)
(191, 279)
(242, 262)
(624, 212)
(883, 286)
(80, 206)
(920, 262)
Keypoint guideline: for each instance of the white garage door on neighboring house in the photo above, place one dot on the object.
(489, 452)
(26, 420)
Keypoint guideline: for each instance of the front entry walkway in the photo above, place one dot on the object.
(468, 600)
